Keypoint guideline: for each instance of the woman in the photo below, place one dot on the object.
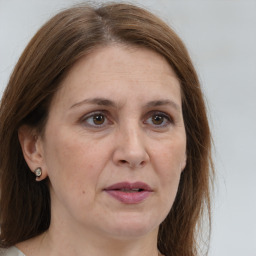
(105, 143)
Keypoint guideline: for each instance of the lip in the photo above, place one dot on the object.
(129, 193)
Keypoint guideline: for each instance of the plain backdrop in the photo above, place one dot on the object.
(221, 38)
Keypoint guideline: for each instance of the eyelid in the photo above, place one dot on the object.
(167, 116)
(91, 114)
(109, 120)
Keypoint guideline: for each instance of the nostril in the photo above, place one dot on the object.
(142, 163)
(132, 164)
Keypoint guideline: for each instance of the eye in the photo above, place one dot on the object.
(159, 119)
(96, 119)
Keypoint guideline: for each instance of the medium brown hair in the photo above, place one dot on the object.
(71, 34)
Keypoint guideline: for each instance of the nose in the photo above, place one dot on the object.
(130, 150)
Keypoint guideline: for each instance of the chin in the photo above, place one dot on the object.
(131, 228)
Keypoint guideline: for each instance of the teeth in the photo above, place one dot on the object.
(130, 190)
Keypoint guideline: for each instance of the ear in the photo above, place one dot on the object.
(32, 148)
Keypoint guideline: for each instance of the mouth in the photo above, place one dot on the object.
(129, 193)
(130, 187)
(130, 190)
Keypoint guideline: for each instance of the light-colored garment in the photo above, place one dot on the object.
(12, 251)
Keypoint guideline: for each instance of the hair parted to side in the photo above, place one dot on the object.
(71, 34)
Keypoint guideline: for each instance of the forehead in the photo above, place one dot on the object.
(115, 68)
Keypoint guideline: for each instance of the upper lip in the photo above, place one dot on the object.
(129, 185)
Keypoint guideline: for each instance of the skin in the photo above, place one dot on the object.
(134, 131)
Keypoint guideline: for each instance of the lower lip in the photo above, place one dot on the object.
(129, 197)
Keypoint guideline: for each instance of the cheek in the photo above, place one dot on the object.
(170, 155)
(74, 160)
(74, 166)
(169, 162)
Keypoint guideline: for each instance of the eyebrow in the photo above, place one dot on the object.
(95, 101)
(157, 103)
(109, 103)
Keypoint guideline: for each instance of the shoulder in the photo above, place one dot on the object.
(12, 251)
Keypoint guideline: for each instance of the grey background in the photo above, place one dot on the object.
(221, 38)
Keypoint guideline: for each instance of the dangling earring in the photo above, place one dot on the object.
(38, 172)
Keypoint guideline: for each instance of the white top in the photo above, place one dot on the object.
(12, 251)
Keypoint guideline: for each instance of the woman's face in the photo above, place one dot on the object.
(115, 144)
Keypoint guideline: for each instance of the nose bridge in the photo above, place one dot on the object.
(132, 135)
(131, 147)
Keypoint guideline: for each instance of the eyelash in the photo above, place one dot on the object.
(167, 119)
(93, 115)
